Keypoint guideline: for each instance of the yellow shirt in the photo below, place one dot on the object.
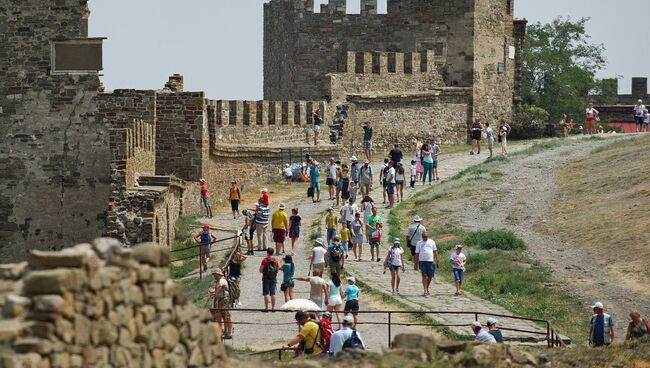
(234, 194)
(345, 234)
(332, 221)
(311, 333)
(279, 219)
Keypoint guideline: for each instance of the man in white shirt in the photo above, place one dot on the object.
(426, 253)
(318, 288)
(414, 235)
(639, 111)
(390, 184)
(349, 211)
(341, 336)
(331, 179)
(482, 336)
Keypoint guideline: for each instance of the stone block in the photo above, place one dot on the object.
(152, 254)
(12, 271)
(10, 328)
(32, 345)
(426, 342)
(60, 360)
(48, 303)
(170, 336)
(164, 304)
(56, 281)
(29, 360)
(64, 330)
(15, 306)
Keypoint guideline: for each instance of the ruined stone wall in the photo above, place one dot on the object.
(99, 305)
(493, 32)
(301, 47)
(182, 144)
(402, 118)
(133, 152)
(261, 122)
(54, 155)
(122, 106)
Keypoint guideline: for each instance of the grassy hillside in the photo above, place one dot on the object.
(605, 207)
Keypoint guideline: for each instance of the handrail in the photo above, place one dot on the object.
(236, 248)
(198, 245)
(277, 350)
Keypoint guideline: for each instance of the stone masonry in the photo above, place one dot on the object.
(101, 305)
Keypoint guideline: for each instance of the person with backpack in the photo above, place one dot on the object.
(326, 330)
(308, 340)
(269, 270)
(346, 338)
(414, 235)
(395, 262)
(374, 226)
(205, 197)
(603, 329)
(336, 255)
(234, 277)
(221, 299)
(382, 177)
(288, 270)
(234, 198)
(205, 238)
(365, 178)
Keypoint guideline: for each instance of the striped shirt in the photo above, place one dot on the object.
(263, 215)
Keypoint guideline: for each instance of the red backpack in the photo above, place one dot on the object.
(326, 332)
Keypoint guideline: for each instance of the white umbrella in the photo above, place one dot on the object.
(304, 305)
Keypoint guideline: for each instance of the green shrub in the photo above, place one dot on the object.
(495, 239)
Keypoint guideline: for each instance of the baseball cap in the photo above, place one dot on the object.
(397, 240)
(598, 305)
(476, 324)
(348, 320)
(490, 321)
(206, 227)
(351, 278)
(458, 246)
(327, 314)
(366, 162)
(264, 190)
(319, 241)
(353, 158)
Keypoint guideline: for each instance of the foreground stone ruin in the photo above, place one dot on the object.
(99, 305)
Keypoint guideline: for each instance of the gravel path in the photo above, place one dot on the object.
(575, 269)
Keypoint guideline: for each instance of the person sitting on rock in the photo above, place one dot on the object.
(494, 330)
(482, 336)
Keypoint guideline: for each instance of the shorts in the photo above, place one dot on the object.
(317, 128)
(458, 275)
(205, 250)
(316, 186)
(351, 306)
(384, 183)
(268, 286)
(234, 204)
(248, 234)
(645, 125)
(434, 164)
(335, 268)
(367, 145)
(350, 245)
(318, 267)
(222, 303)
(235, 278)
(206, 202)
(412, 247)
(639, 120)
(427, 269)
(394, 268)
(490, 142)
(374, 245)
(287, 285)
(334, 301)
(390, 189)
(476, 135)
(294, 233)
(331, 233)
(287, 177)
(279, 235)
(399, 182)
(330, 181)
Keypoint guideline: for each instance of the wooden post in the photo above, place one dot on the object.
(390, 342)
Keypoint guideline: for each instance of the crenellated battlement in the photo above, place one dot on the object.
(223, 113)
(382, 63)
(333, 7)
(133, 151)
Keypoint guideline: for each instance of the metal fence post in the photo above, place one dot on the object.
(548, 335)
(390, 340)
(200, 263)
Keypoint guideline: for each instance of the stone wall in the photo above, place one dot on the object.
(301, 47)
(122, 106)
(133, 152)
(54, 154)
(100, 305)
(402, 118)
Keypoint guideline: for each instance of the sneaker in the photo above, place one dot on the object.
(471, 153)
(377, 259)
(393, 292)
(397, 291)
(205, 268)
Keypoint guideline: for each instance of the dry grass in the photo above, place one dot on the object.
(604, 207)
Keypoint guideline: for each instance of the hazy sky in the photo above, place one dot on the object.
(217, 44)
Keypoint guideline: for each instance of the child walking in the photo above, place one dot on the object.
(294, 229)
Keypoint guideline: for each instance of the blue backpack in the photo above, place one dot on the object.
(206, 238)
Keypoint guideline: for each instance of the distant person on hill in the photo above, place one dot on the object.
(235, 198)
(314, 172)
(419, 169)
(646, 120)
(264, 197)
(368, 134)
(280, 228)
(288, 173)
(400, 175)
(334, 300)
(504, 131)
(414, 235)
(351, 295)
(414, 173)
(288, 270)
(331, 224)
(295, 222)
(426, 255)
(494, 330)
(374, 226)
(395, 263)
(435, 154)
(330, 181)
(262, 216)
(382, 177)
(205, 198)
(269, 270)
(476, 130)
(565, 125)
(317, 260)
(356, 231)
(482, 336)
(391, 180)
(367, 204)
(396, 155)
(248, 230)
(366, 178)
(234, 272)
(336, 254)
(205, 238)
(639, 113)
(318, 120)
(590, 118)
(489, 132)
(457, 261)
(344, 184)
(603, 330)
(638, 327)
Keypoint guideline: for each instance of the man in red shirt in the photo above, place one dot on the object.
(269, 270)
(205, 197)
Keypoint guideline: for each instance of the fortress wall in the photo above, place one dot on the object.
(133, 152)
(301, 47)
(54, 154)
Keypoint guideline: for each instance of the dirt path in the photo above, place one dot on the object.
(575, 270)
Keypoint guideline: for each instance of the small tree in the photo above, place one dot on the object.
(559, 67)
(529, 122)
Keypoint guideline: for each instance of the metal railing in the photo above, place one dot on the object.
(233, 250)
(553, 338)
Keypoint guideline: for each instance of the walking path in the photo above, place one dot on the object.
(271, 330)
